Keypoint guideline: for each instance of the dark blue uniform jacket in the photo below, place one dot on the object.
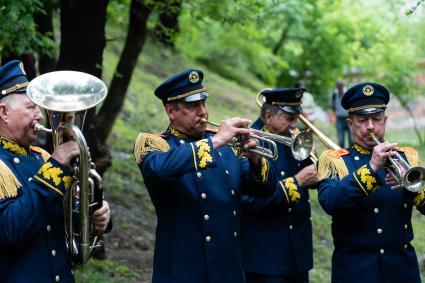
(32, 238)
(371, 224)
(196, 193)
(276, 231)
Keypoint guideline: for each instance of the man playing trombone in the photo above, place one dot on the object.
(195, 181)
(277, 232)
(32, 186)
(371, 213)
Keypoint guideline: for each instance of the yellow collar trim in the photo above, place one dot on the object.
(176, 133)
(13, 147)
(361, 149)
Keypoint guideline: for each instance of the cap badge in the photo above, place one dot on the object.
(368, 90)
(21, 66)
(298, 94)
(194, 77)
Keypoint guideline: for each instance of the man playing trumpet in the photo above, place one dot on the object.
(371, 214)
(195, 181)
(277, 232)
(32, 186)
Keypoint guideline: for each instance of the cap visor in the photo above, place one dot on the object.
(195, 97)
(292, 109)
(368, 111)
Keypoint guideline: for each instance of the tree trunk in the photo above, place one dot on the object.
(44, 25)
(82, 44)
(136, 35)
(282, 38)
(168, 26)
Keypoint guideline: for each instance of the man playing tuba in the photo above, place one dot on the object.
(32, 186)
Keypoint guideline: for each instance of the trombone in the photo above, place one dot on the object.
(413, 179)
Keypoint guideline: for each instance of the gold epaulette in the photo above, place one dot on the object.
(43, 153)
(411, 155)
(149, 142)
(331, 164)
(9, 184)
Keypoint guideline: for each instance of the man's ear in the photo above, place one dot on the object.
(170, 111)
(267, 117)
(4, 112)
(349, 122)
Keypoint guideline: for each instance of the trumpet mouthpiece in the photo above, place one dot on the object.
(40, 128)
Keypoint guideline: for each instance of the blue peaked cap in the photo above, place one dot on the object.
(186, 87)
(13, 78)
(288, 99)
(366, 98)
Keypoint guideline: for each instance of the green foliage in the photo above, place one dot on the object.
(18, 34)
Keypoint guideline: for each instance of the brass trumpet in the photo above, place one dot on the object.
(301, 144)
(413, 179)
(259, 150)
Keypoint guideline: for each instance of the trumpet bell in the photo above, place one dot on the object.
(302, 145)
(414, 179)
(66, 91)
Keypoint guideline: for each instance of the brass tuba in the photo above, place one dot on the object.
(66, 96)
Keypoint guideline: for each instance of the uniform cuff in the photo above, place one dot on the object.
(367, 179)
(419, 198)
(290, 190)
(54, 176)
(203, 156)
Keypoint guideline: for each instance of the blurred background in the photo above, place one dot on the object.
(242, 46)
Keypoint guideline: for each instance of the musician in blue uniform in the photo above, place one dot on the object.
(195, 182)
(32, 185)
(371, 214)
(277, 232)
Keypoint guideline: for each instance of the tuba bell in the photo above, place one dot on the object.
(66, 96)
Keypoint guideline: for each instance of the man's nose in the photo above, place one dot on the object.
(38, 114)
(370, 124)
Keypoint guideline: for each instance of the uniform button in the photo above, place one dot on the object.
(299, 164)
(282, 173)
(234, 212)
(206, 217)
(203, 195)
(310, 218)
(232, 192)
(235, 234)
(53, 253)
(381, 251)
(379, 231)
(376, 210)
(405, 246)
(308, 201)
(199, 174)
(227, 172)
(405, 226)
(208, 238)
(291, 227)
(49, 228)
(16, 160)
(356, 158)
(57, 278)
(182, 142)
(290, 209)
(29, 179)
(405, 206)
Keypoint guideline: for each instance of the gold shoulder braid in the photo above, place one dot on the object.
(331, 164)
(411, 155)
(9, 184)
(44, 154)
(148, 142)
